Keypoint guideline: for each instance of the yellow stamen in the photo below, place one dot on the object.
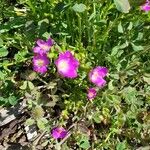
(95, 75)
(40, 62)
(63, 65)
(91, 94)
(45, 47)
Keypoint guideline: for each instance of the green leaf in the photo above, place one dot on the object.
(31, 85)
(92, 16)
(2, 99)
(20, 56)
(30, 122)
(97, 117)
(43, 21)
(2, 75)
(122, 5)
(120, 28)
(16, 22)
(130, 26)
(116, 50)
(147, 79)
(140, 36)
(12, 100)
(137, 48)
(110, 85)
(84, 143)
(130, 94)
(121, 146)
(42, 123)
(24, 86)
(3, 52)
(1, 42)
(79, 7)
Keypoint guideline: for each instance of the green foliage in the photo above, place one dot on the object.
(79, 7)
(11, 100)
(113, 33)
(122, 5)
(121, 146)
(84, 142)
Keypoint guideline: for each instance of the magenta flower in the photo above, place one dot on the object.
(146, 6)
(67, 65)
(97, 74)
(43, 46)
(91, 93)
(59, 133)
(40, 63)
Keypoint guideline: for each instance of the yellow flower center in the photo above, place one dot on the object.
(45, 47)
(91, 94)
(40, 62)
(95, 75)
(63, 65)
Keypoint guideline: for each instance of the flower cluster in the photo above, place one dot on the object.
(96, 76)
(40, 59)
(146, 6)
(67, 66)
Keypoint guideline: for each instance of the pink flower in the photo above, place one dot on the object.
(91, 93)
(43, 46)
(67, 65)
(146, 6)
(40, 63)
(97, 74)
(59, 133)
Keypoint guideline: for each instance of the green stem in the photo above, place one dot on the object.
(80, 29)
(29, 2)
(94, 36)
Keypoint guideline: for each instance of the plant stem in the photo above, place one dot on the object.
(80, 29)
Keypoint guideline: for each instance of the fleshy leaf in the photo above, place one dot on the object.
(79, 7)
(122, 5)
(3, 52)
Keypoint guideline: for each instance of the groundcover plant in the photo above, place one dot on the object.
(75, 74)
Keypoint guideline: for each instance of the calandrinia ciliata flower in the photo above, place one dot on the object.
(43, 47)
(146, 6)
(97, 75)
(40, 63)
(67, 65)
(91, 93)
(59, 133)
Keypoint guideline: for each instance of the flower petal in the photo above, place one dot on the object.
(97, 74)
(50, 42)
(36, 49)
(146, 6)
(59, 132)
(40, 63)
(67, 65)
(91, 93)
(40, 42)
